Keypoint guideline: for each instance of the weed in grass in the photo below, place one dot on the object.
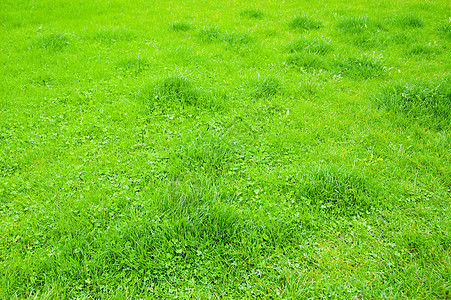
(307, 61)
(408, 22)
(210, 34)
(360, 68)
(113, 35)
(133, 66)
(265, 87)
(354, 25)
(314, 46)
(52, 41)
(444, 30)
(179, 26)
(332, 190)
(304, 23)
(251, 13)
(427, 102)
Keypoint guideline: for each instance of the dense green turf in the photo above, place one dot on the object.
(231, 150)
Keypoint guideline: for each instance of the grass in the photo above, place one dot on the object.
(224, 151)
(301, 22)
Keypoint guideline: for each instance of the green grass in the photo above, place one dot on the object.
(233, 150)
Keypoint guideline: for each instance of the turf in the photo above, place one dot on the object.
(233, 150)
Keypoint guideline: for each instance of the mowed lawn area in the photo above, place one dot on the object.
(225, 149)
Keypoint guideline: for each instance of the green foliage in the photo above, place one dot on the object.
(314, 46)
(227, 153)
(52, 41)
(355, 25)
(180, 26)
(427, 102)
(335, 191)
(444, 30)
(133, 66)
(408, 22)
(304, 23)
(360, 68)
(267, 86)
(251, 13)
(307, 61)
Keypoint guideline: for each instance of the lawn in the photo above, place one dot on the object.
(225, 150)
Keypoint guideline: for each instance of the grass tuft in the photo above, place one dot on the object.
(307, 61)
(179, 26)
(210, 34)
(421, 50)
(238, 39)
(336, 191)
(133, 66)
(265, 87)
(172, 91)
(354, 25)
(315, 46)
(304, 23)
(408, 22)
(427, 102)
(444, 30)
(52, 41)
(360, 68)
(251, 13)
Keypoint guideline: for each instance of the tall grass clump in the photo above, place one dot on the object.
(238, 38)
(333, 190)
(265, 87)
(53, 41)
(133, 66)
(210, 34)
(408, 22)
(251, 13)
(179, 26)
(427, 102)
(360, 68)
(304, 23)
(444, 30)
(315, 46)
(355, 25)
(172, 91)
(307, 61)
(208, 151)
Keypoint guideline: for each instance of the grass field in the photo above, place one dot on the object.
(225, 149)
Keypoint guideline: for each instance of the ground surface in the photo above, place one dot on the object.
(225, 149)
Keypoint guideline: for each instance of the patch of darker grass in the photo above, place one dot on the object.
(315, 46)
(355, 25)
(209, 151)
(133, 66)
(52, 41)
(265, 87)
(360, 68)
(335, 191)
(178, 92)
(307, 61)
(251, 13)
(424, 50)
(304, 23)
(407, 22)
(427, 102)
(444, 30)
(179, 26)
(238, 39)
(210, 34)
